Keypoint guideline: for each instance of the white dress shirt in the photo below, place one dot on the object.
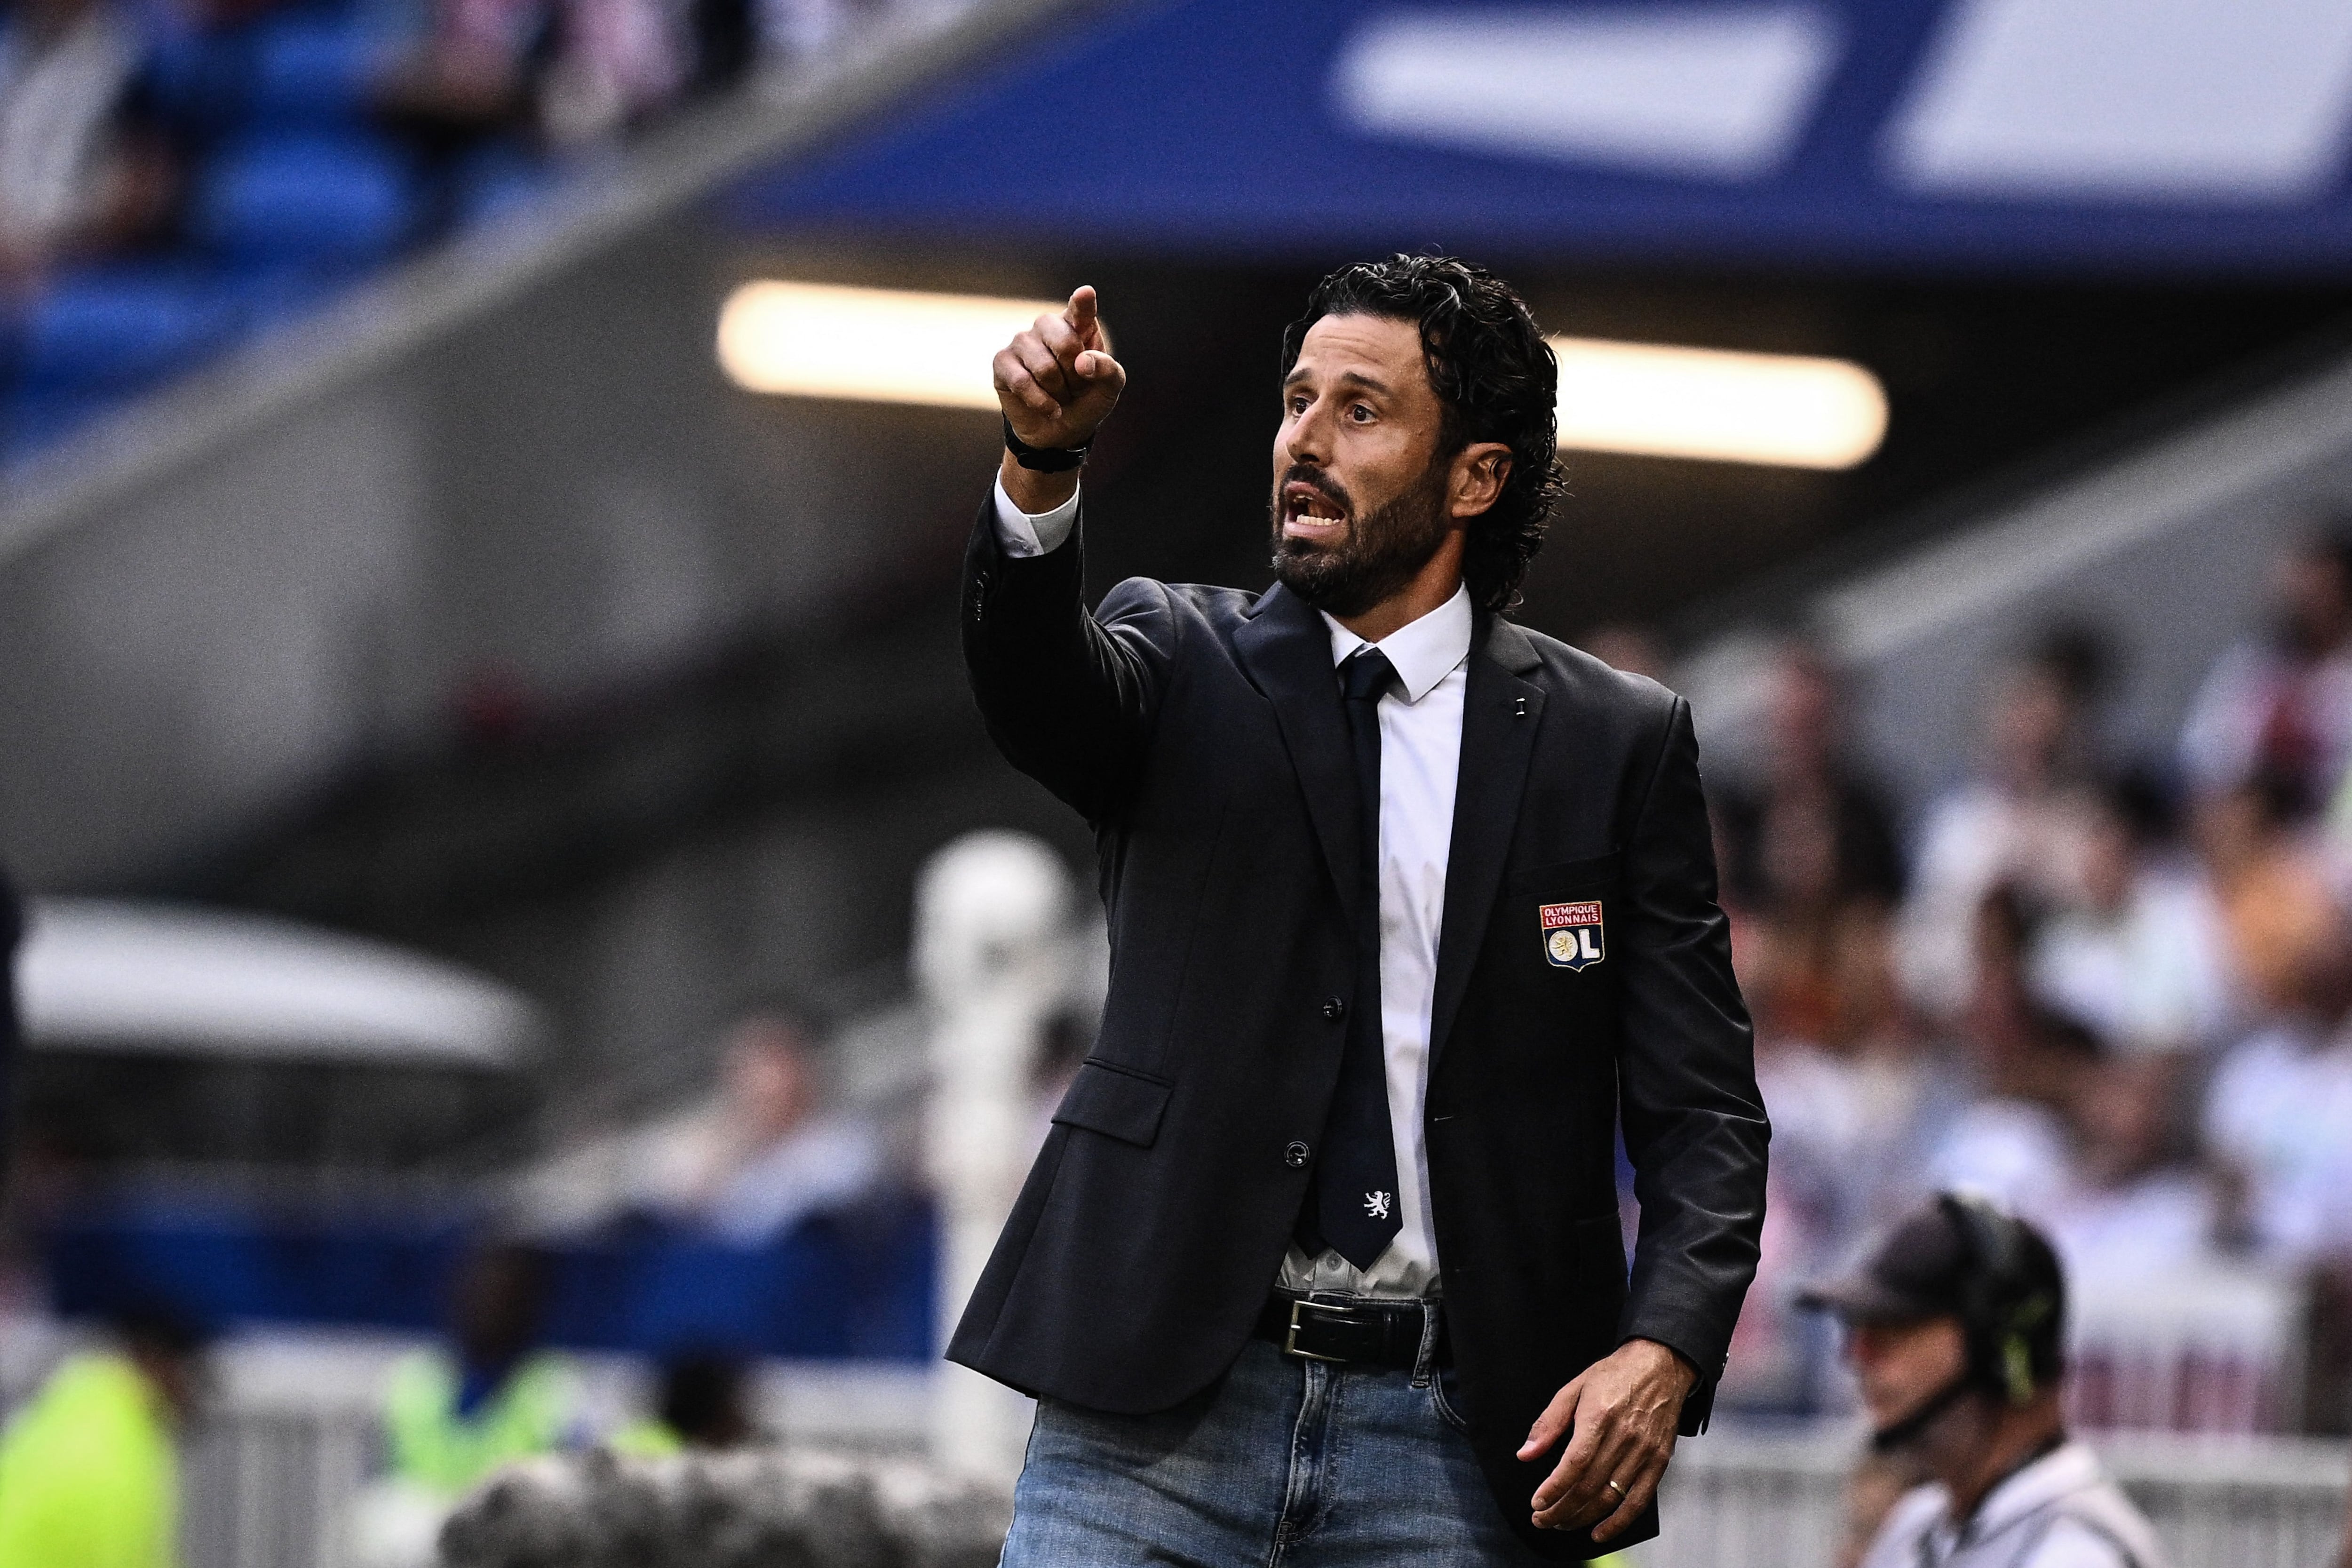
(1022, 534)
(1421, 759)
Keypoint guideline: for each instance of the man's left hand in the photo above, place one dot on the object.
(1624, 1410)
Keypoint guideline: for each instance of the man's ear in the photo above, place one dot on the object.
(1480, 471)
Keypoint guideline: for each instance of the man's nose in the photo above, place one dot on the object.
(1309, 440)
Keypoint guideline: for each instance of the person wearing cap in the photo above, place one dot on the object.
(1954, 1328)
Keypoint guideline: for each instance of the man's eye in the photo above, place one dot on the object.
(1360, 414)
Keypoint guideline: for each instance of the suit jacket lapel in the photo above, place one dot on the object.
(1500, 715)
(1286, 650)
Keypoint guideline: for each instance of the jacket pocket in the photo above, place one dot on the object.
(1593, 874)
(1563, 911)
(1116, 1101)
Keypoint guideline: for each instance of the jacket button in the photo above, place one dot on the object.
(1334, 1008)
(1295, 1153)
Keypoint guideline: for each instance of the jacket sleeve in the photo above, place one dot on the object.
(1068, 697)
(1694, 1124)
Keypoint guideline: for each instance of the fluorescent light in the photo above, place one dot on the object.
(1781, 409)
(876, 346)
(887, 345)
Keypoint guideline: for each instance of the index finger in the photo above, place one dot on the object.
(1569, 1474)
(1085, 316)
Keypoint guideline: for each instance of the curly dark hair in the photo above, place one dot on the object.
(1498, 380)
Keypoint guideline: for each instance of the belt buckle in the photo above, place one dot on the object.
(1290, 1340)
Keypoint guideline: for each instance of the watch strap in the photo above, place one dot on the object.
(1043, 459)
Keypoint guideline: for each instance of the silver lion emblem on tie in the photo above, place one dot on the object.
(1376, 1205)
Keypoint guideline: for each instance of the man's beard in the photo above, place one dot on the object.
(1384, 548)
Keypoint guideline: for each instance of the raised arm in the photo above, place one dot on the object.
(1068, 697)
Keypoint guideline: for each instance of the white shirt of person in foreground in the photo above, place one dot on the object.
(2059, 1511)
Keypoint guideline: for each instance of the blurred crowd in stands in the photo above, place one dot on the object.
(2113, 992)
(175, 174)
(745, 1164)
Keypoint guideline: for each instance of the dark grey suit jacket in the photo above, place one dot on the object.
(1199, 731)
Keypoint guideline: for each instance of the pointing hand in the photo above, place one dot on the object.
(1056, 382)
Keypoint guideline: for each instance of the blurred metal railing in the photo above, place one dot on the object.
(271, 1481)
(1739, 1500)
(2211, 1349)
(273, 1489)
(292, 1434)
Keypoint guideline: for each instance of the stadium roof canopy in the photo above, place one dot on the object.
(2114, 135)
(161, 979)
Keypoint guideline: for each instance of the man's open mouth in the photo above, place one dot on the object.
(1308, 513)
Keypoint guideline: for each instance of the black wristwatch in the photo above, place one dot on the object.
(1043, 459)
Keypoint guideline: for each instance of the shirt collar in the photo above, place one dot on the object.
(1425, 651)
(2069, 1467)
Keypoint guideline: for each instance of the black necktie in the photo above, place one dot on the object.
(1352, 1201)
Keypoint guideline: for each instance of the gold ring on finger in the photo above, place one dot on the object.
(1614, 1487)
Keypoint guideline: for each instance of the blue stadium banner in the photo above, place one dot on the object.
(2110, 135)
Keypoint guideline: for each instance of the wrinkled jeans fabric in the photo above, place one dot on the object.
(1282, 1464)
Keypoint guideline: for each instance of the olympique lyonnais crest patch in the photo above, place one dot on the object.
(1571, 934)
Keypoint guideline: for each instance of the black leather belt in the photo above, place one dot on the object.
(1361, 1332)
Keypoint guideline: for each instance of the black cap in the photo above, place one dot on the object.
(1961, 1256)
(1920, 1270)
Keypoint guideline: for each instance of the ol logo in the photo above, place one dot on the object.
(1571, 934)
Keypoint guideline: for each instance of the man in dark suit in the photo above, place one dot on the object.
(1410, 908)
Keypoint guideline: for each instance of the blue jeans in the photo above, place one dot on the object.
(1282, 1464)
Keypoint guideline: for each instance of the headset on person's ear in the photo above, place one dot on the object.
(2003, 1305)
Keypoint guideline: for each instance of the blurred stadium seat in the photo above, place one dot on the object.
(312, 70)
(329, 201)
(108, 328)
